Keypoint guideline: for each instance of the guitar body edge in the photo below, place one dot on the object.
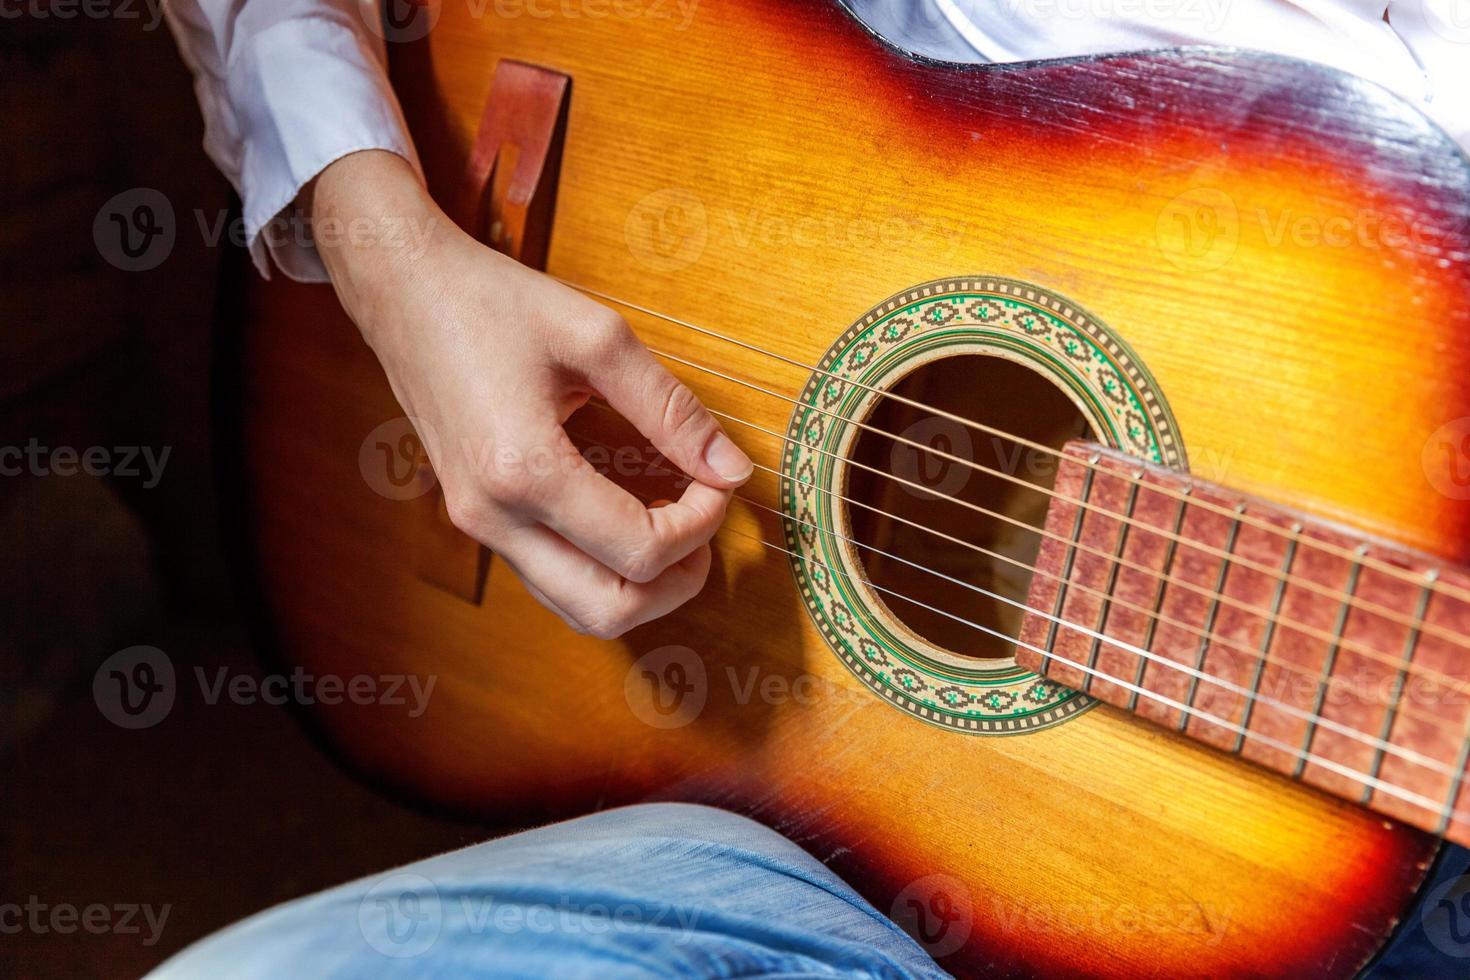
(1100, 846)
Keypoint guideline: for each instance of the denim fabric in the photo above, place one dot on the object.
(659, 890)
(1433, 940)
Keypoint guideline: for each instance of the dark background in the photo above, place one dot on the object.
(218, 810)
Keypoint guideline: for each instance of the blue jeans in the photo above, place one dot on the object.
(659, 890)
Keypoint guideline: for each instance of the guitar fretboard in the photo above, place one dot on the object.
(1332, 659)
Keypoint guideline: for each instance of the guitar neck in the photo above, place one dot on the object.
(1336, 660)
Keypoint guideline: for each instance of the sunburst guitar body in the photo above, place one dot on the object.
(1240, 268)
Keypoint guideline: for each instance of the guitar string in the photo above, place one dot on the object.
(1341, 642)
(1211, 636)
(1364, 779)
(1352, 601)
(1338, 642)
(1320, 721)
(1253, 655)
(1392, 789)
(1440, 585)
(1411, 756)
(1327, 591)
(980, 426)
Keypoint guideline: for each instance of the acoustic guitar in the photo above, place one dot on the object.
(1099, 605)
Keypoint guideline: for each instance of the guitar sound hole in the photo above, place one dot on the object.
(935, 489)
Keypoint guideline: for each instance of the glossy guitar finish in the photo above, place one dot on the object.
(771, 170)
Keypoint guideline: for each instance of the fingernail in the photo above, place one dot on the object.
(726, 459)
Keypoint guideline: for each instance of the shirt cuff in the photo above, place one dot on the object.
(313, 92)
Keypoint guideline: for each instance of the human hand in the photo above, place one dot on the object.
(494, 357)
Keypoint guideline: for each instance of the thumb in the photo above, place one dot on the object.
(670, 415)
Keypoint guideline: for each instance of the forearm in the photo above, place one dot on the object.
(372, 219)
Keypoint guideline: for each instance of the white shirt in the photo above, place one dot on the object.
(288, 86)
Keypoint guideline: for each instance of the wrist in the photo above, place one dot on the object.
(372, 219)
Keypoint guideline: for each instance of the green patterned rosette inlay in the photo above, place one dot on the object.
(999, 317)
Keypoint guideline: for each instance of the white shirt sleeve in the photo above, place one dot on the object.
(287, 87)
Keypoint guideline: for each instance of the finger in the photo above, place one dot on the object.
(610, 524)
(591, 596)
(664, 409)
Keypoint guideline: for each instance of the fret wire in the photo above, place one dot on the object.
(1450, 810)
(1269, 633)
(1329, 663)
(1192, 630)
(1299, 627)
(1412, 756)
(1151, 630)
(1416, 799)
(1453, 592)
(1002, 474)
(1112, 587)
(1411, 643)
(1213, 613)
(1067, 565)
